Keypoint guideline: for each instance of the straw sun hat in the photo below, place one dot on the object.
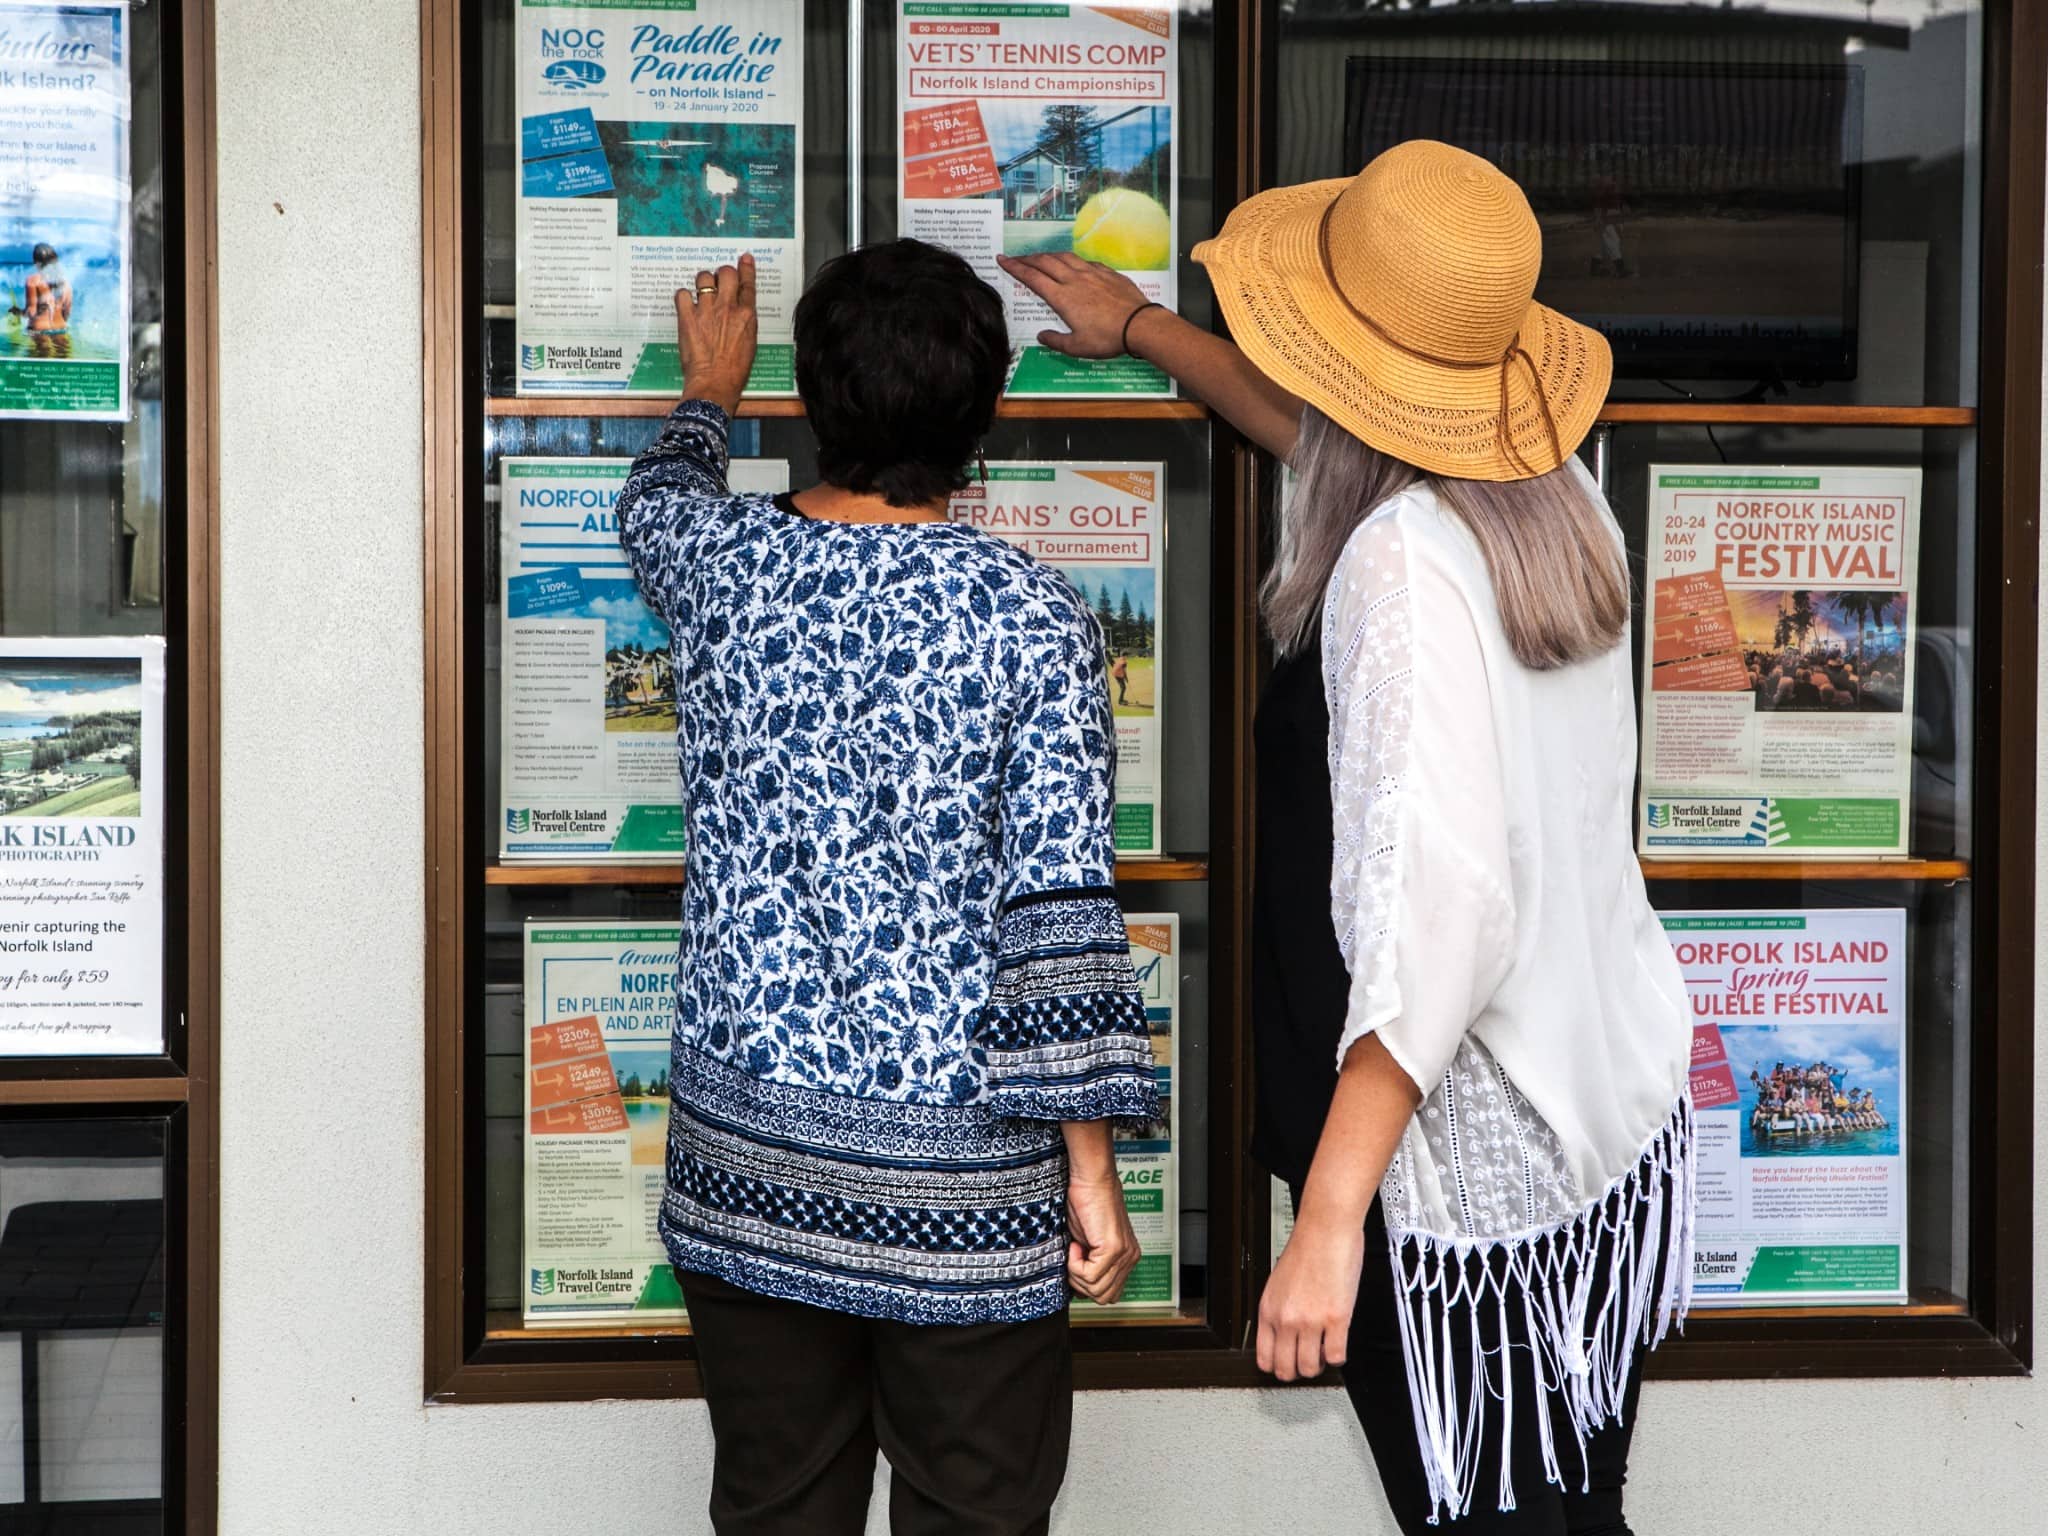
(1397, 303)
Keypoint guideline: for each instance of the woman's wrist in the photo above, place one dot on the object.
(1146, 324)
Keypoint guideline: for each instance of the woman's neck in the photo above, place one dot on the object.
(836, 504)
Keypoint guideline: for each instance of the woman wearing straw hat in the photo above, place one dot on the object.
(1483, 1026)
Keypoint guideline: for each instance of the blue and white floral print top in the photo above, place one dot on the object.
(902, 958)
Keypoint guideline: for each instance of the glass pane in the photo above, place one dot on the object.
(1169, 632)
(1783, 196)
(82, 1324)
(82, 538)
(1832, 1080)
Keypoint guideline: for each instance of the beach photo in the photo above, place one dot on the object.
(70, 736)
(703, 181)
(639, 684)
(62, 284)
(1811, 650)
(1096, 181)
(642, 1074)
(1817, 1090)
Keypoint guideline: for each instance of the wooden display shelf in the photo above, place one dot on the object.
(672, 874)
(1727, 413)
(508, 1325)
(1931, 1303)
(1615, 413)
(1806, 869)
(1013, 410)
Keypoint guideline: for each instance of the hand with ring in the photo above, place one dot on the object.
(717, 331)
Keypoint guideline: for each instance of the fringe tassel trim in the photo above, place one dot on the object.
(1582, 1321)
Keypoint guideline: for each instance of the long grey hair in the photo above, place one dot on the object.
(1560, 578)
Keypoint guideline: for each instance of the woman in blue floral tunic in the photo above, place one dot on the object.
(905, 1010)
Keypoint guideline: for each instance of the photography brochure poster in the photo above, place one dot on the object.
(1103, 527)
(1799, 1093)
(64, 193)
(1146, 1155)
(587, 711)
(81, 847)
(1778, 671)
(1030, 129)
(600, 1007)
(657, 139)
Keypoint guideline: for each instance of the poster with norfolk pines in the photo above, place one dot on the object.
(600, 1005)
(1778, 662)
(657, 139)
(1147, 1156)
(1102, 526)
(1036, 128)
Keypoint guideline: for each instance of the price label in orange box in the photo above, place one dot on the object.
(963, 173)
(568, 1039)
(587, 1117)
(953, 125)
(563, 1082)
(1694, 647)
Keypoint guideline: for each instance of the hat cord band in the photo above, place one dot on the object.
(1507, 359)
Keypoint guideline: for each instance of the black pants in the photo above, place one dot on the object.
(974, 1420)
(1376, 1379)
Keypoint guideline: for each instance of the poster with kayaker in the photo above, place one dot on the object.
(1147, 1153)
(1035, 128)
(587, 704)
(657, 139)
(1799, 1088)
(1778, 668)
(1103, 527)
(600, 1005)
(64, 199)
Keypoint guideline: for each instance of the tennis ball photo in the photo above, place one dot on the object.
(1124, 229)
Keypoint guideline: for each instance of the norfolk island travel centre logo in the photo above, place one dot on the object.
(518, 822)
(543, 1282)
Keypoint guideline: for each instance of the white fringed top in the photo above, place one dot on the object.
(1500, 943)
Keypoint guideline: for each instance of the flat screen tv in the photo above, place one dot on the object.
(1703, 216)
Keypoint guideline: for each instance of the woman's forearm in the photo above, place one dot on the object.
(1216, 373)
(1374, 1102)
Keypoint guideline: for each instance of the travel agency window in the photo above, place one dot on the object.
(1796, 227)
(108, 752)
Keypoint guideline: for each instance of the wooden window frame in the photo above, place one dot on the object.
(180, 1084)
(1990, 1336)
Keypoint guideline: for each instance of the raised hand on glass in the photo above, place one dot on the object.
(717, 331)
(1107, 315)
(1098, 306)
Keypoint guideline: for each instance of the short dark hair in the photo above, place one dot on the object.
(901, 352)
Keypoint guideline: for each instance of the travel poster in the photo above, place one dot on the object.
(1799, 1093)
(64, 196)
(587, 710)
(600, 1008)
(81, 847)
(1103, 526)
(1035, 128)
(657, 139)
(1778, 664)
(1147, 1155)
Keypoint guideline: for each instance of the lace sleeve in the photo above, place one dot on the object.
(1419, 882)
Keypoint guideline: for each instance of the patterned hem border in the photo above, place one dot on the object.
(887, 1303)
(1122, 1098)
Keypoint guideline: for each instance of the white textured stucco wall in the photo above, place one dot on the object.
(322, 1427)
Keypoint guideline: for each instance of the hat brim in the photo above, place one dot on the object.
(1288, 318)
